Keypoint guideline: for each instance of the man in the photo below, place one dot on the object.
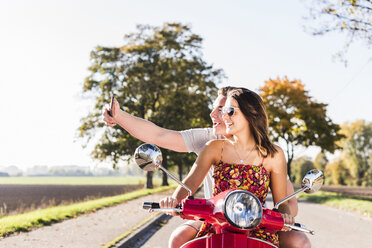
(193, 140)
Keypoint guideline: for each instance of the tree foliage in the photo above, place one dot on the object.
(321, 161)
(157, 74)
(296, 118)
(350, 17)
(357, 151)
(337, 172)
(301, 166)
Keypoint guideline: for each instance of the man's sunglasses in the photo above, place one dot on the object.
(229, 110)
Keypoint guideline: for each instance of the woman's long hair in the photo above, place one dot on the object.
(254, 111)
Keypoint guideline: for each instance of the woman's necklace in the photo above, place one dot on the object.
(241, 160)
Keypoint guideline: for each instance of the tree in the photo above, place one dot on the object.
(337, 172)
(301, 166)
(357, 151)
(350, 17)
(159, 75)
(321, 161)
(296, 118)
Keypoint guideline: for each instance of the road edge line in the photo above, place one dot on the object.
(133, 229)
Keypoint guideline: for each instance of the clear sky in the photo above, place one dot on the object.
(45, 46)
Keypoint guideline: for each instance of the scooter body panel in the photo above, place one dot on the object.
(228, 240)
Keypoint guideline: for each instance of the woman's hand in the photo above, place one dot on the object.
(288, 219)
(110, 120)
(169, 202)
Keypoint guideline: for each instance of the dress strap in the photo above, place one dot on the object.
(263, 158)
(223, 142)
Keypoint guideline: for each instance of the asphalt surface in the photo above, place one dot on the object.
(333, 227)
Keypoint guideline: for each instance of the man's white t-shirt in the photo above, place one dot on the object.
(195, 140)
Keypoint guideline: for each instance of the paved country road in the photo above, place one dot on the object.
(333, 228)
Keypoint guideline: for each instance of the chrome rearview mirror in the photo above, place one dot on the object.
(149, 158)
(312, 182)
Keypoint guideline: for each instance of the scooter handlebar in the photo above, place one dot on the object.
(150, 205)
(155, 207)
(300, 227)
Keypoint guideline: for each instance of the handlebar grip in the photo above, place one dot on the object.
(299, 225)
(150, 205)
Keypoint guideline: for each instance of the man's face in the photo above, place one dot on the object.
(219, 127)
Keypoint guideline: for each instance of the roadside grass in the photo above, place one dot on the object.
(361, 206)
(78, 180)
(38, 218)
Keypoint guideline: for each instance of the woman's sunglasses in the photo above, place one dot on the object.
(229, 110)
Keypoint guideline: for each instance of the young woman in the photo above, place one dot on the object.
(248, 160)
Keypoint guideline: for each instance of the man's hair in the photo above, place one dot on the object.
(253, 109)
(225, 90)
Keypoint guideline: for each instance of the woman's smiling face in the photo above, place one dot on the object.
(237, 121)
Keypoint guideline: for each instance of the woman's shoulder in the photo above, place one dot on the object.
(279, 151)
(277, 158)
(214, 146)
(215, 143)
(212, 149)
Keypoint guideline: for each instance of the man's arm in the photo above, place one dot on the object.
(144, 130)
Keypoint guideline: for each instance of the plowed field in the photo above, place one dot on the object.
(365, 192)
(362, 192)
(15, 199)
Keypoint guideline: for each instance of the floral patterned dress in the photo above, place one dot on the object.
(254, 179)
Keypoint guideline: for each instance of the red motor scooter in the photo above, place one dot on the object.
(233, 213)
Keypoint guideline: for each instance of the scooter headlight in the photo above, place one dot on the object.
(242, 209)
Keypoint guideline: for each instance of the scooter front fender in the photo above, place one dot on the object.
(228, 240)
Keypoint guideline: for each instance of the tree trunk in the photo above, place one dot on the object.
(290, 154)
(149, 184)
(165, 165)
(180, 171)
(289, 167)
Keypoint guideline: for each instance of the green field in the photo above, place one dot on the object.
(78, 180)
(336, 200)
